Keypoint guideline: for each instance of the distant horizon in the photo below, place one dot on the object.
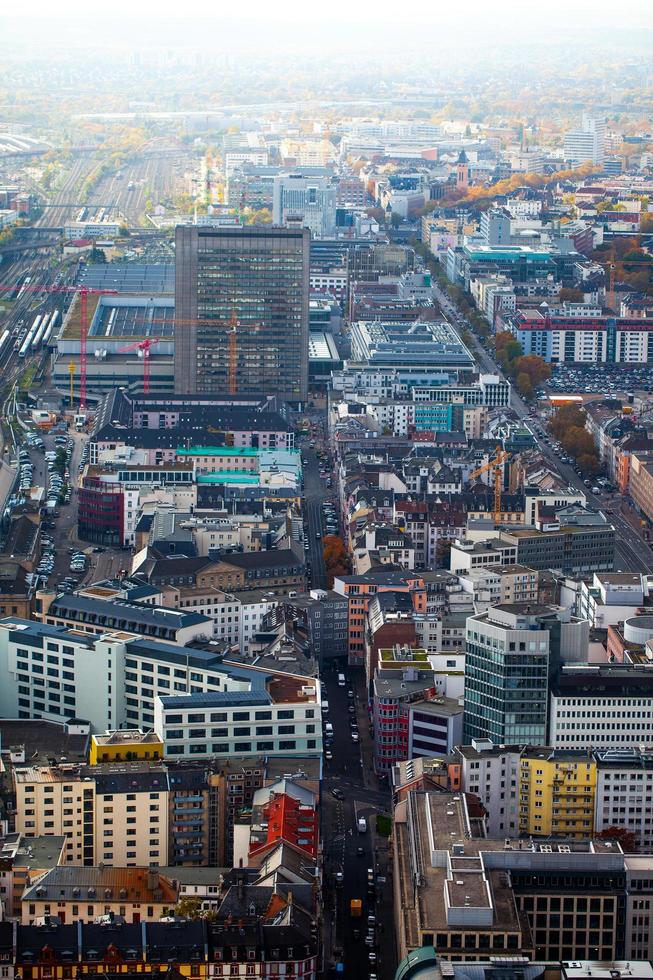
(146, 25)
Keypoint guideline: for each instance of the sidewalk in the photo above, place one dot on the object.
(386, 946)
(370, 779)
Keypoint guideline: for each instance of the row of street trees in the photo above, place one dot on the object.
(568, 426)
(527, 370)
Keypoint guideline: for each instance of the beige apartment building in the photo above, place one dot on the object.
(641, 483)
(109, 815)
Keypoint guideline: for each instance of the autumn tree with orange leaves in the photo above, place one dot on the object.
(335, 557)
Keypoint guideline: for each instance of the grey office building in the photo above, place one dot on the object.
(260, 275)
(512, 650)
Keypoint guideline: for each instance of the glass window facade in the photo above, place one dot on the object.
(258, 276)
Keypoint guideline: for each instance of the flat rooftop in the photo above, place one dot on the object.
(43, 741)
(127, 736)
(133, 316)
(130, 277)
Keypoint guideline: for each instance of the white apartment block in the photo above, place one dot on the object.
(236, 616)
(624, 794)
(492, 774)
(601, 707)
(234, 159)
(118, 680)
(232, 723)
(523, 209)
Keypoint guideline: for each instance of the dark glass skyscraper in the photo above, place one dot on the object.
(258, 276)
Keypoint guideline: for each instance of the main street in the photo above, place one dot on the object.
(352, 854)
(314, 497)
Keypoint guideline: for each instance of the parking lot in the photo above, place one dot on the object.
(51, 461)
(603, 379)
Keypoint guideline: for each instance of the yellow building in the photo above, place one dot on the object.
(128, 745)
(556, 793)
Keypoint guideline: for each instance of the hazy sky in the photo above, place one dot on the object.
(632, 13)
(509, 24)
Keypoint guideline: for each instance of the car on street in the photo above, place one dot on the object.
(337, 793)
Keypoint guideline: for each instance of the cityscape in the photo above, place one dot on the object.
(326, 491)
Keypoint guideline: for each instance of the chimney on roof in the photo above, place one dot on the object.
(152, 879)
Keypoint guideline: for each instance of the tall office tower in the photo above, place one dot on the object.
(586, 145)
(258, 278)
(305, 201)
(511, 651)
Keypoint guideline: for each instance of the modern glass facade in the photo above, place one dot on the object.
(260, 275)
(506, 682)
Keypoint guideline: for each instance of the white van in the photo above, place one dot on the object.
(328, 728)
(341, 680)
(325, 707)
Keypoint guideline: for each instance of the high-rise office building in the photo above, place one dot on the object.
(305, 201)
(257, 277)
(511, 652)
(586, 145)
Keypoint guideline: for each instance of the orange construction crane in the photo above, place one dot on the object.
(143, 346)
(494, 466)
(231, 325)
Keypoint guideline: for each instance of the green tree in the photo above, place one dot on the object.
(589, 464)
(191, 908)
(524, 385)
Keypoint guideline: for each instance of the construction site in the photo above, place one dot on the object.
(129, 343)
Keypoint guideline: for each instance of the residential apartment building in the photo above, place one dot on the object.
(540, 791)
(102, 893)
(96, 611)
(113, 815)
(587, 144)
(119, 680)
(410, 718)
(557, 792)
(641, 483)
(562, 336)
(282, 716)
(277, 937)
(624, 794)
